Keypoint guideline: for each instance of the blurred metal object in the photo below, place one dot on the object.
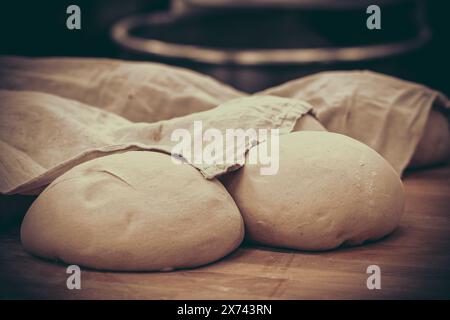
(122, 34)
(304, 4)
(253, 48)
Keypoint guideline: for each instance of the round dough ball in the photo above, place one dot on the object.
(434, 146)
(133, 211)
(330, 190)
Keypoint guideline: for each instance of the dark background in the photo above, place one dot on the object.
(37, 28)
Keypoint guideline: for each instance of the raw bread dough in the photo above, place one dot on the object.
(133, 211)
(434, 145)
(330, 189)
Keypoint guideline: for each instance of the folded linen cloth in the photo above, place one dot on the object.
(43, 135)
(137, 91)
(384, 112)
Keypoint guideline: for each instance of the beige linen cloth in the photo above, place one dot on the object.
(384, 112)
(135, 90)
(44, 131)
(43, 135)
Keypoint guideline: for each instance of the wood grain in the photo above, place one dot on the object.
(414, 262)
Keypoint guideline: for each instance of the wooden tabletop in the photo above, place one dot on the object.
(414, 263)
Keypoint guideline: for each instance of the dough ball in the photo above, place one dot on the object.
(434, 146)
(133, 211)
(330, 190)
